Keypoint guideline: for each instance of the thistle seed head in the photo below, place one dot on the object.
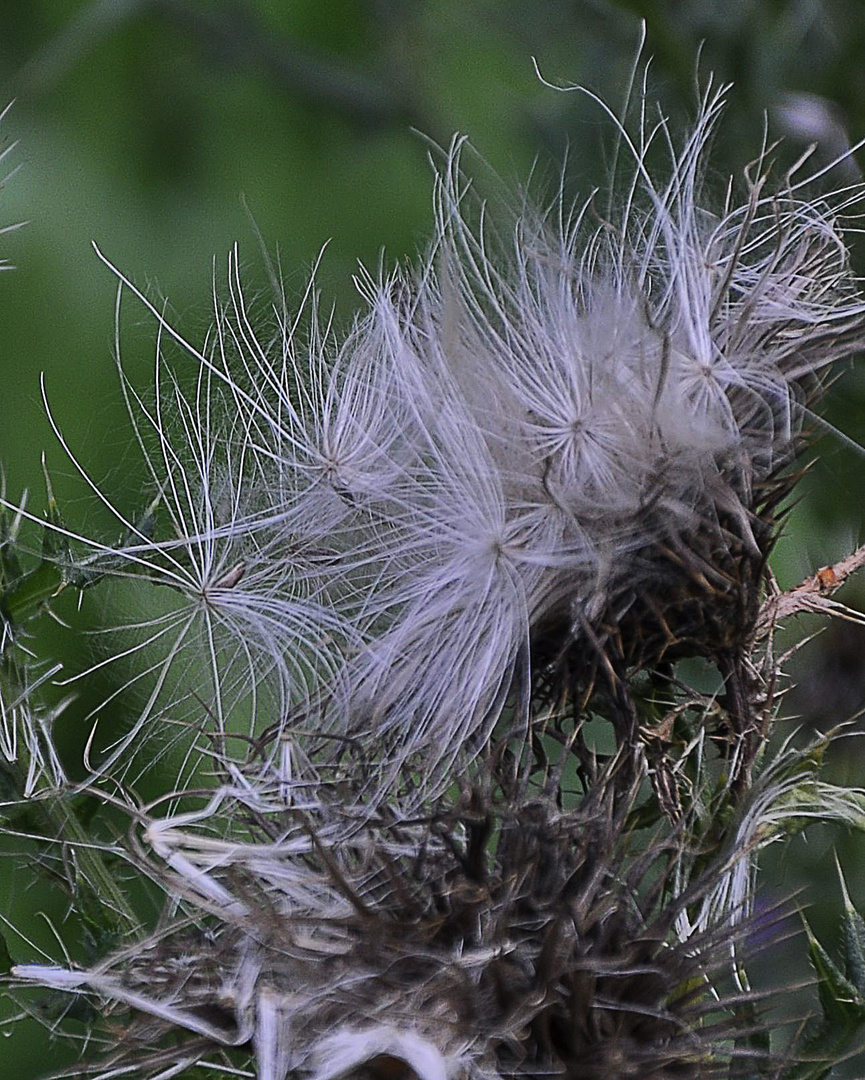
(412, 570)
(541, 463)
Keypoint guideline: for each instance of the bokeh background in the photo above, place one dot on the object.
(166, 130)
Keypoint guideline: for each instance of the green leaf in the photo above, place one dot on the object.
(26, 596)
(827, 1038)
(5, 957)
(840, 999)
(852, 938)
(54, 540)
(10, 567)
(814, 1052)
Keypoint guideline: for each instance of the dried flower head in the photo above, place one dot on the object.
(494, 938)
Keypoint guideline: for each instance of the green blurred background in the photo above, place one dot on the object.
(149, 126)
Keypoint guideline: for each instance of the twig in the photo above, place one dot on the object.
(814, 594)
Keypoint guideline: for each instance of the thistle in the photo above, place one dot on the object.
(443, 805)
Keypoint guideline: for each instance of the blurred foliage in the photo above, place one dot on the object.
(150, 125)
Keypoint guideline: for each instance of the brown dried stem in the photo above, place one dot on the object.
(814, 594)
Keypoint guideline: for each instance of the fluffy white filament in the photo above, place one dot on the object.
(366, 534)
